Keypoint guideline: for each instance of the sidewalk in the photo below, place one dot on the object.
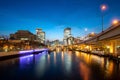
(101, 54)
(11, 54)
(8, 53)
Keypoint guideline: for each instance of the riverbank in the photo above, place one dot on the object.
(110, 56)
(2, 54)
(13, 54)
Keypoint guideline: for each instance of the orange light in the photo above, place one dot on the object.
(87, 47)
(115, 21)
(92, 33)
(103, 7)
(108, 47)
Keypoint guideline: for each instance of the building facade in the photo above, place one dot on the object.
(67, 33)
(68, 39)
(40, 36)
(23, 35)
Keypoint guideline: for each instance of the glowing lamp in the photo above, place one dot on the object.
(115, 21)
(92, 33)
(108, 47)
(103, 7)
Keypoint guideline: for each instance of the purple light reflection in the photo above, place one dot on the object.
(27, 51)
(26, 56)
(38, 56)
(31, 51)
(25, 60)
(40, 49)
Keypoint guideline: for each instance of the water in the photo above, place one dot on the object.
(59, 66)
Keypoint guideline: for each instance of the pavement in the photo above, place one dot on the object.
(2, 54)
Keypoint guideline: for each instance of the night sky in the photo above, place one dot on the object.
(55, 15)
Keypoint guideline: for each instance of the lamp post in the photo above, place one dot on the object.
(103, 8)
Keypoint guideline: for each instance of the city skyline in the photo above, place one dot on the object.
(54, 16)
(59, 40)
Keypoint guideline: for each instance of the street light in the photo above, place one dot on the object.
(103, 8)
(115, 21)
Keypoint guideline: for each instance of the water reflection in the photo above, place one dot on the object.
(40, 65)
(68, 62)
(104, 65)
(55, 57)
(109, 68)
(48, 58)
(64, 65)
(62, 56)
(84, 71)
(25, 60)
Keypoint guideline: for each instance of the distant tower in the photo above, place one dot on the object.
(40, 35)
(67, 34)
(38, 32)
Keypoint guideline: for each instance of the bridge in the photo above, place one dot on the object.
(106, 42)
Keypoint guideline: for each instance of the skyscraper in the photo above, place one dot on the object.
(67, 36)
(67, 33)
(40, 35)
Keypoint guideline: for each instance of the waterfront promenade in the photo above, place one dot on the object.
(2, 54)
(12, 54)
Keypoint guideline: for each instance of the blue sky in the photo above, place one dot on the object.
(55, 15)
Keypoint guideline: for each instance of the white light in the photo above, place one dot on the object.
(86, 29)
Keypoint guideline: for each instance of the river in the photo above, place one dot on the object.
(59, 65)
